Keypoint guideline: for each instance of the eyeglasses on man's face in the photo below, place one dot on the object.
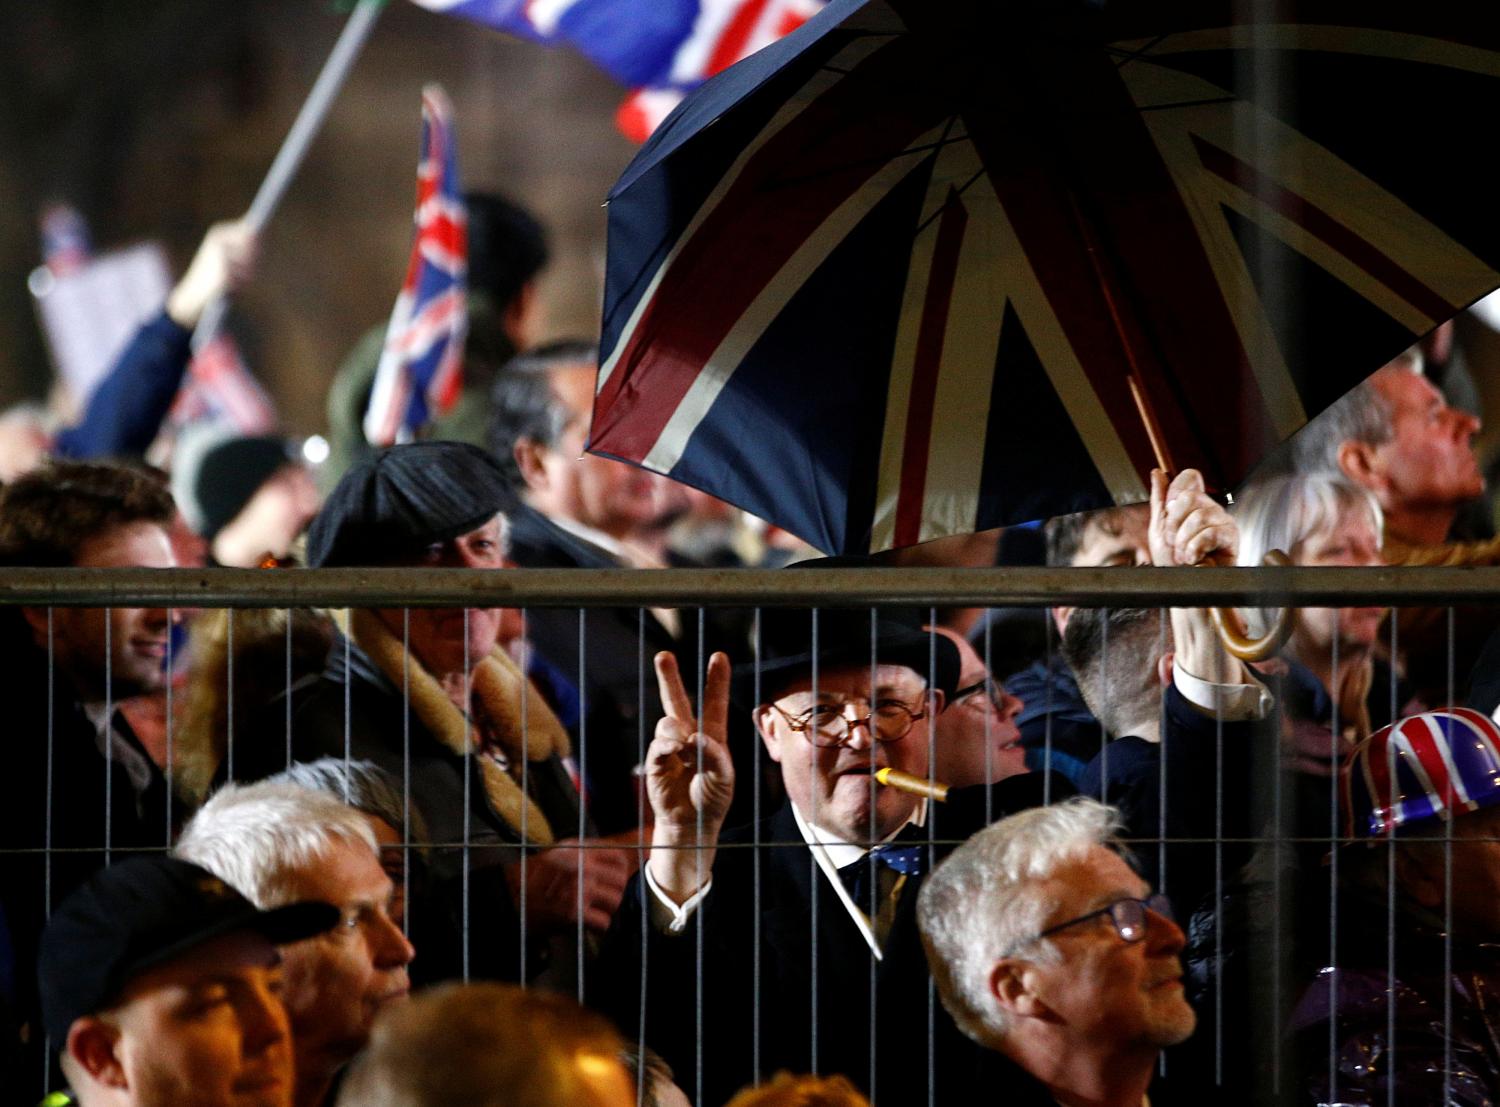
(1129, 916)
(829, 724)
(983, 695)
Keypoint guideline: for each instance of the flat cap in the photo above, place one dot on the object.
(404, 498)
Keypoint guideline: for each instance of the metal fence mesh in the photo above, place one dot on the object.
(1259, 1006)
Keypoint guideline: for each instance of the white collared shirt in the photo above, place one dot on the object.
(831, 852)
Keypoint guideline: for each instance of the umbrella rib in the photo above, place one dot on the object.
(958, 191)
(927, 147)
(1128, 56)
(1192, 103)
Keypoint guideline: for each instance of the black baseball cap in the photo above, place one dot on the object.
(402, 499)
(141, 913)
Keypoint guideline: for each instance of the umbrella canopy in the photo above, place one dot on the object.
(897, 275)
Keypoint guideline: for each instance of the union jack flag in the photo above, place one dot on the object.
(1434, 765)
(420, 374)
(220, 388)
(663, 48)
(902, 286)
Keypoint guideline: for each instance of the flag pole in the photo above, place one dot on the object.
(294, 148)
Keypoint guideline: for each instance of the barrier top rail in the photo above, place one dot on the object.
(1003, 587)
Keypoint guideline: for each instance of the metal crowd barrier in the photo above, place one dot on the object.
(808, 588)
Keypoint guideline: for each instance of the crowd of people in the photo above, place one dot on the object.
(413, 856)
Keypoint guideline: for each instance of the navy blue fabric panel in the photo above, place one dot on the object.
(803, 451)
(1035, 464)
(659, 195)
(1406, 125)
(1330, 336)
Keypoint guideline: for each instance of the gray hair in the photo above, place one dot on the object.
(1113, 653)
(984, 901)
(253, 836)
(1284, 512)
(1360, 415)
(522, 404)
(365, 786)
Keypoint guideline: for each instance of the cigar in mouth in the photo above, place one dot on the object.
(916, 785)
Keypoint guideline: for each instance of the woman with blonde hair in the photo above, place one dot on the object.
(1319, 519)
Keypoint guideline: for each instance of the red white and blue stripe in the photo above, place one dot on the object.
(879, 286)
(421, 367)
(1435, 765)
(660, 48)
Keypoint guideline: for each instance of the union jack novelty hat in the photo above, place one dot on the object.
(1430, 766)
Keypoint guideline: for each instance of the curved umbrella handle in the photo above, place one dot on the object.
(1232, 631)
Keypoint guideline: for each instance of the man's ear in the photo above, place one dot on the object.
(1011, 985)
(1060, 620)
(1164, 668)
(938, 699)
(528, 454)
(1358, 462)
(762, 717)
(94, 1046)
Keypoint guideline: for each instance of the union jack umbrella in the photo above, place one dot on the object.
(897, 275)
(420, 374)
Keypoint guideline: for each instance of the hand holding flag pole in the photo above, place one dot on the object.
(294, 148)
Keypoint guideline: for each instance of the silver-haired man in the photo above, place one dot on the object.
(279, 843)
(1048, 948)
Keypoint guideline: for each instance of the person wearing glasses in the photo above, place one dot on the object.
(1049, 949)
(808, 948)
(978, 741)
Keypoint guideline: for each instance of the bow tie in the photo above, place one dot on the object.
(901, 858)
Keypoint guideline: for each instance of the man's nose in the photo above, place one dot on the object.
(1467, 423)
(861, 729)
(264, 1020)
(1010, 706)
(1164, 935)
(391, 948)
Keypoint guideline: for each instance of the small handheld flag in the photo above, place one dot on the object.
(421, 367)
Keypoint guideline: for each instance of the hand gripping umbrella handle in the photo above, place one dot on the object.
(1237, 639)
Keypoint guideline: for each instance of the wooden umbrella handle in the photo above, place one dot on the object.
(1232, 630)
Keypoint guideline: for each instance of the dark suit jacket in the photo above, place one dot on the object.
(1169, 796)
(772, 917)
(83, 796)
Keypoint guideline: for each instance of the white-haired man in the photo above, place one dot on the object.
(1396, 435)
(280, 843)
(1048, 948)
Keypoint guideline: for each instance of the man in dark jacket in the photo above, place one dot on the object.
(80, 788)
(584, 512)
(1180, 713)
(436, 691)
(804, 920)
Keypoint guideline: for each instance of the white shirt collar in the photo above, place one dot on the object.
(833, 853)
